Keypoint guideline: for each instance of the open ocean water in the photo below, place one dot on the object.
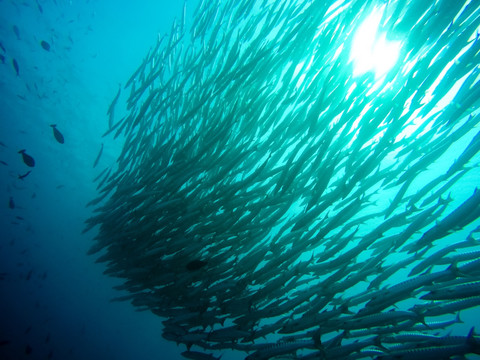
(62, 64)
(53, 298)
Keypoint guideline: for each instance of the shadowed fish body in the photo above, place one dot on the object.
(16, 31)
(23, 176)
(45, 45)
(27, 159)
(57, 134)
(195, 265)
(97, 159)
(16, 67)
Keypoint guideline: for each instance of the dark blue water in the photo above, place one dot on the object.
(54, 300)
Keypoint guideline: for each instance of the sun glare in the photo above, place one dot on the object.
(371, 51)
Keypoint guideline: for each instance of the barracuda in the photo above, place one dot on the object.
(264, 187)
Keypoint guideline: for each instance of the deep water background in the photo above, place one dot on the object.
(54, 298)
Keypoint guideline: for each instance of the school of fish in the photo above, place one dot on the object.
(266, 200)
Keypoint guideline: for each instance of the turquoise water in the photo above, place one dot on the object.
(56, 299)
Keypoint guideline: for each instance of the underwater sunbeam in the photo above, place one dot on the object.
(371, 51)
(266, 200)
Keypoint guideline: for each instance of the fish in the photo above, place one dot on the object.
(97, 159)
(21, 177)
(39, 7)
(27, 159)
(11, 203)
(16, 31)
(15, 66)
(3, 163)
(460, 217)
(195, 265)
(2, 58)
(111, 108)
(57, 134)
(45, 45)
(265, 192)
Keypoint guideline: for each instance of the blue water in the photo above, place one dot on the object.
(53, 298)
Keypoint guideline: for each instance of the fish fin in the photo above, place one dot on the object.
(378, 342)
(413, 208)
(473, 341)
(457, 319)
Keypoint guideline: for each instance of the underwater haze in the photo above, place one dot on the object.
(54, 299)
(255, 179)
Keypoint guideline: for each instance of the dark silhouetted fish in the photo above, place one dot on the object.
(16, 31)
(3, 163)
(98, 157)
(2, 47)
(251, 143)
(58, 135)
(27, 159)
(45, 45)
(39, 7)
(2, 58)
(28, 350)
(111, 108)
(21, 177)
(195, 265)
(15, 66)
(11, 203)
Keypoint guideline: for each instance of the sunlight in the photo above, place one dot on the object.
(371, 51)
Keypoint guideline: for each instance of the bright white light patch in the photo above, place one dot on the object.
(370, 49)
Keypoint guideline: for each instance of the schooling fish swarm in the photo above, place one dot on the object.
(268, 201)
